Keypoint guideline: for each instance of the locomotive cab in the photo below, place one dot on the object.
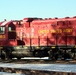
(11, 31)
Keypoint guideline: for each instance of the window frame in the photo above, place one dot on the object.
(2, 29)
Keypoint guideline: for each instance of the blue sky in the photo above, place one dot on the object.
(19, 9)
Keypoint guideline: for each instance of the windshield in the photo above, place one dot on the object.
(2, 30)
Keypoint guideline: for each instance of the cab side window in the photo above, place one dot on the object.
(9, 29)
(2, 30)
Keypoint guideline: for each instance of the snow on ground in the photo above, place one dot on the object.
(43, 67)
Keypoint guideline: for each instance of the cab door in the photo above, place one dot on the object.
(11, 31)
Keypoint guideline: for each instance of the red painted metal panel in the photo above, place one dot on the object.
(43, 32)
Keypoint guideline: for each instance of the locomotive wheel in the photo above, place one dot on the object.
(18, 58)
(53, 56)
(38, 54)
(66, 56)
(41, 54)
(50, 55)
(56, 56)
(3, 55)
(10, 58)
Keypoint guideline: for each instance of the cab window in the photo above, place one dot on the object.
(9, 29)
(2, 30)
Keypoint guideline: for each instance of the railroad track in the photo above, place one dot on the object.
(7, 73)
(38, 69)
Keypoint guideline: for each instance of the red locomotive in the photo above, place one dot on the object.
(37, 37)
